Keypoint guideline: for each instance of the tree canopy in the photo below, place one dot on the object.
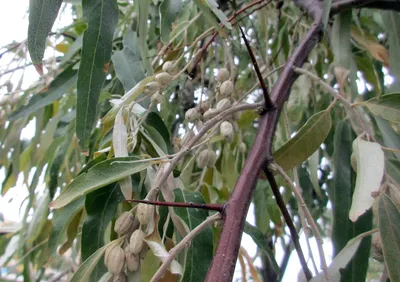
(157, 124)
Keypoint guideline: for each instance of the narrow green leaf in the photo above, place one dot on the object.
(305, 142)
(169, 10)
(342, 48)
(98, 176)
(143, 13)
(200, 253)
(102, 18)
(390, 137)
(39, 218)
(391, 20)
(389, 228)
(325, 12)
(85, 270)
(213, 5)
(61, 220)
(120, 145)
(370, 167)
(387, 106)
(259, 239)
(58, 87)
(208, 15)
(100, 207)
(42, 14)
(344, 178)
(155, 121)
(127, 62)
(340, 195)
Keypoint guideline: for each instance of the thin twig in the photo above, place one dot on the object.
(336, 95)
(301, 211)
(182, 244)
(308, 215)
(295, 237)
(210, 207)
(267, 99)
(192, 142)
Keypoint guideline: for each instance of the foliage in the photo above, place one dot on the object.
(160, 101)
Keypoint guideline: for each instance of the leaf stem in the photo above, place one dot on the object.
(182, 244)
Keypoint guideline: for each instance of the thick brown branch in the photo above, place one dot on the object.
(235, 212)
(339, 6)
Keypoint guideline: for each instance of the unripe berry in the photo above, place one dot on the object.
(136, 241)
(192, 115)
(224, 104)
(226, 88)
(151, 88)
(124, 223)
(116, 260)
(226, 130)
(169, 67)
(223, 75)
(163, 78)
(132, 260)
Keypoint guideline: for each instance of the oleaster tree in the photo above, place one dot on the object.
(158, 123)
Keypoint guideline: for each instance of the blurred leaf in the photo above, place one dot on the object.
(61, 219)
(208, 15)
(341, 193)
(387, 106)
(120, 145)
(259, 239)
(143, 14)
(391, 21)
(389, 228)
(371, 44)
(158, 249)
(11, 248)
(127, 62)
(102, 17)
(85, 270)
(38, 219)
(169, 10)
(340, 261)
(220, 14)
(390, 137)
(58, 87)
(42, 14)
(100, 207)
(342, 47)
(200, 253)
(155, 121)
(98, 176)
(325, 12)
(72, 231)
(370, 167)
(306, 141)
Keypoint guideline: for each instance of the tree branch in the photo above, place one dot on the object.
(260, 156)
(182, 244)
(339, 6)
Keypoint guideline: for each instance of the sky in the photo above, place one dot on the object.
(14, 23)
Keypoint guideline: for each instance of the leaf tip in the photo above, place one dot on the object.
(39, 69)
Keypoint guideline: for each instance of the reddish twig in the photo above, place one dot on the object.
(235, 14)
(289, 222)
(267, 99)
(210, 207)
